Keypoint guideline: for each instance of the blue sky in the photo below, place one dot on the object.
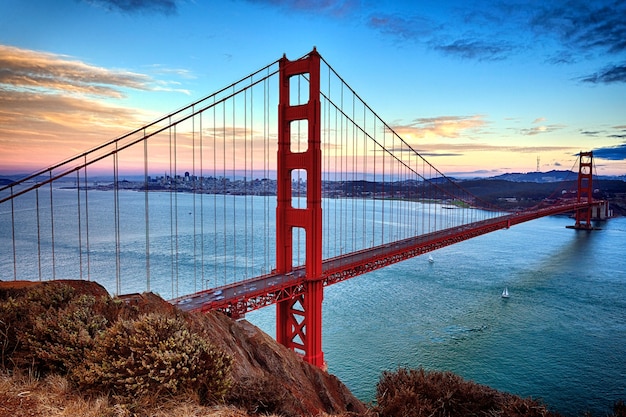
(479, 88)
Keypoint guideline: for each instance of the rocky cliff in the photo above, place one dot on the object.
(267, 378)
(284, 381)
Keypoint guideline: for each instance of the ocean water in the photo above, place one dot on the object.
(560, 337)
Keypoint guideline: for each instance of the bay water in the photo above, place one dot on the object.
(559, 337)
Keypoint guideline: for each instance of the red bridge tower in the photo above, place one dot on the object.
(585, 190)
(299, 319)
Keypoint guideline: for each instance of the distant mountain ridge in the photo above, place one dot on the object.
(550, 176)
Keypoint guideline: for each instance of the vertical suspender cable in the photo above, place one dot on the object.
(214, 191)
(38, 233)
(87, 222)
(13, 236)
(202, 179)
(234, 199)
(382, 192)
(342, 151)
(375, 205)
(146, 208)
(54, 273)
(364, 169)
(266, 267)
(224, 189)
(338, 142)
(193, 191)
(392, 206)
(80, 238)
(354, 169)
(245, 178)
(373, 208)
(252, 205)
(176, 206)
(116, 209)
(172, 190)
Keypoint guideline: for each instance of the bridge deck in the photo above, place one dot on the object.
(241, 297)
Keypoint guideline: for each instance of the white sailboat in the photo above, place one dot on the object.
(505, 293)
(430, 259)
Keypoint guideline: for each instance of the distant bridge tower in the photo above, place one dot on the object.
(585, 190)
(299, 319)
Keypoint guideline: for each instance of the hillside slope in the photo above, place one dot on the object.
(265, 376)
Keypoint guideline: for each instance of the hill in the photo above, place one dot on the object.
(551, 176)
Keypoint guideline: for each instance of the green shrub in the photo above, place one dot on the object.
(60, 338)
(49, 327)
(19, 310)
(8, 331)
(151, 356)
(417, 393)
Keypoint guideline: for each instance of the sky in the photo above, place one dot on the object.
(479, 88)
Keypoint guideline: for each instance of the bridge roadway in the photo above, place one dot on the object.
(238, 298)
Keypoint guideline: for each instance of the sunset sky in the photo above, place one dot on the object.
(479, 88)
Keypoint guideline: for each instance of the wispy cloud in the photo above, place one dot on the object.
(489, 31)
(616, 132)
(442, 126)
(608, 75)
(576, 29)
(540, 127)
(166, 7)
(413, 28)
(47, 98)
(582, 25)
(27, 70)
(459, 149)
(335, 8)
(612, 153)
(477, 49)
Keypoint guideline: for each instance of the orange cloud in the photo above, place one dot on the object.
(442, 126)
(26, 69)
(52, 107)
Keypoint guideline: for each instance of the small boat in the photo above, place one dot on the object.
(505, 293)
(430, 259)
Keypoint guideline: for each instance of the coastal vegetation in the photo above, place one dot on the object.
(69, 349)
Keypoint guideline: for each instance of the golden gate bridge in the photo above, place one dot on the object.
(261, 193)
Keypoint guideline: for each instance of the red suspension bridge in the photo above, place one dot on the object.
(248, 198)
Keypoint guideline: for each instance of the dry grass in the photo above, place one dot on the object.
(23, 395)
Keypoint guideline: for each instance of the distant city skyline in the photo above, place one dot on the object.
(478, 90)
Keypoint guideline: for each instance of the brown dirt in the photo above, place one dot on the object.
(82, 287)
(19, 404)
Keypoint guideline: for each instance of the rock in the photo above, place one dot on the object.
(260, 363)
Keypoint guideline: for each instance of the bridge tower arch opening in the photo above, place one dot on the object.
(299, 319)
